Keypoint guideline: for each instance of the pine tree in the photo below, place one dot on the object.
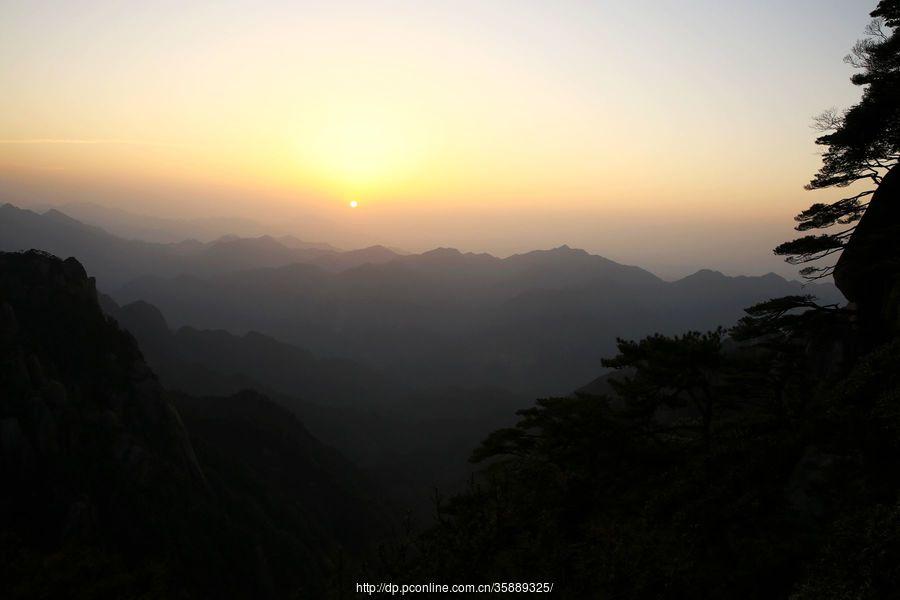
(862, 145)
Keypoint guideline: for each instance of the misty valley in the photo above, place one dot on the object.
(401, 362)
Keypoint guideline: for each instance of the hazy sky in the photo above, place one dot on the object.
(673, 134)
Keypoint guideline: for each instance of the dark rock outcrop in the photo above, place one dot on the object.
(86, 428)
(103, 495)
(868, 272)
(97, 469)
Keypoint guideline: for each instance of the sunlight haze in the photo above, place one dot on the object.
(624, 128)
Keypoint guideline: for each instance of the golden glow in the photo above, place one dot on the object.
(354, 204)
(546, 115)
(353, 150)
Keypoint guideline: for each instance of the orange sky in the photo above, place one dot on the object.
(649, 132)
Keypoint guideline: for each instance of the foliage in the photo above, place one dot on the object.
(671, 373)
(862, 144)
(789, 316)
(716, 468)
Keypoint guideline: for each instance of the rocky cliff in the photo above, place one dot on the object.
(89, 440)
(103, 495)
(867, 272)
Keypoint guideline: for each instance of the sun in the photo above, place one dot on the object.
(354, 204)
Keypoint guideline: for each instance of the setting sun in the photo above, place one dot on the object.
(354, 204)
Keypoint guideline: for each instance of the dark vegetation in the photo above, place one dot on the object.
(757, 461)
(862, 146)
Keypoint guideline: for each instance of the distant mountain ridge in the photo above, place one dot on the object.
(537, 322)
(145, 228)
(115, 260)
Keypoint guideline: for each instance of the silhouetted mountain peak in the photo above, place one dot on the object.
(13, 215)
(61, 216)
(560, 253)
(228, 237)
(144, 315)
(712, 277)
(343, 261)
(452, 255)
(10, 208)
(441, 252)
(706, 275)
(450, 262)
(566, 250)
(294, 242)
(376, 249)
(190, 245)
(263, 241)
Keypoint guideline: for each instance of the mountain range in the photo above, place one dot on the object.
(538, 323)
(163, 230)
(400, 362)
(535, 323)
(116, 260)
(378, 422)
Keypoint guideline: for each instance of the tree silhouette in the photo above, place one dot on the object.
(671, 372)
(862, 145)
